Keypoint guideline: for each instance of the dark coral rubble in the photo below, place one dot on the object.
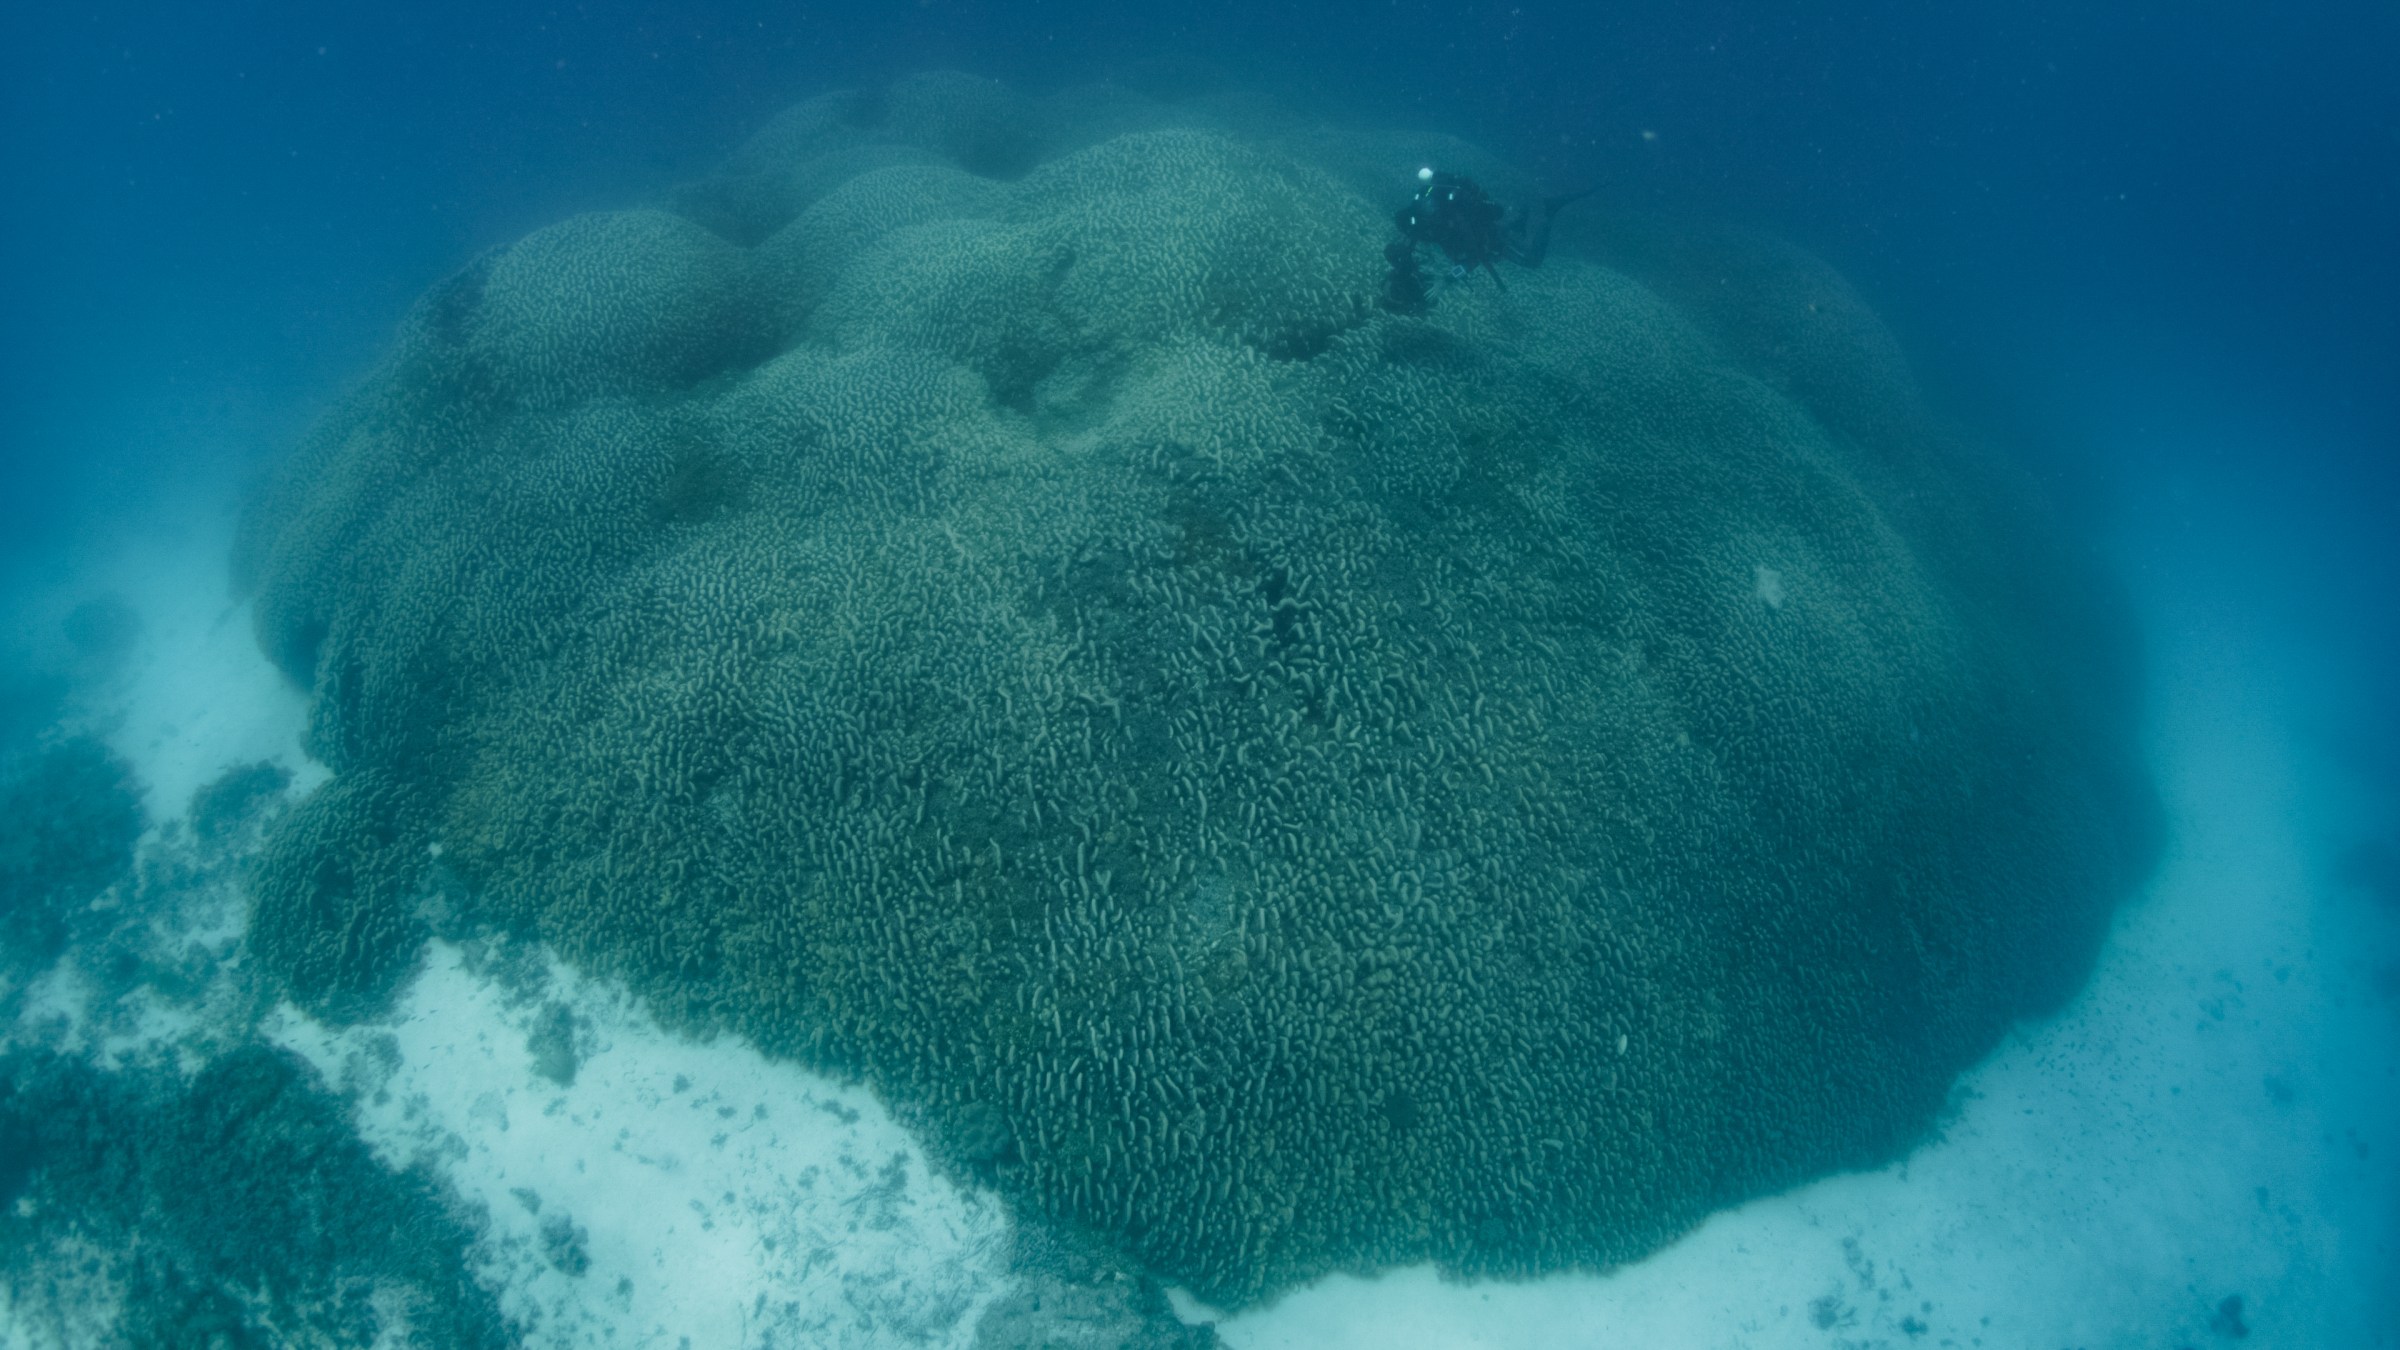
(981, 596)
(234, 1207)
(70, 813)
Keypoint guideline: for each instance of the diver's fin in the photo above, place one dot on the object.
(1537, 228)
(1551, 206)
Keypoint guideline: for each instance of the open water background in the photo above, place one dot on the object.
(2147, 246)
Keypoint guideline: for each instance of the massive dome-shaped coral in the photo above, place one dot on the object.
(985, 599)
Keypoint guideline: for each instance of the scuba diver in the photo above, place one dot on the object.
(1453, 213)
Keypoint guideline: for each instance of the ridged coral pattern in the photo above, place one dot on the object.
(980, 596)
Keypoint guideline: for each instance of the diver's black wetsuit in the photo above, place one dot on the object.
(1453, 213)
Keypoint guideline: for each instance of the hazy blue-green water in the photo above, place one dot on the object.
(2132, 266)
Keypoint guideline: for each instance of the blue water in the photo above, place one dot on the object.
(2147, 248)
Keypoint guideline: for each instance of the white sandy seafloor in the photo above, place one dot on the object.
(672, 1191)
(2213, 1117)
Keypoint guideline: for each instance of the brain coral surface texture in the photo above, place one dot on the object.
(978, 595)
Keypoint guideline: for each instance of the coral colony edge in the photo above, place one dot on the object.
(983, 595)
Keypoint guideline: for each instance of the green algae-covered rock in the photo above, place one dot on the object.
(1283, 786)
